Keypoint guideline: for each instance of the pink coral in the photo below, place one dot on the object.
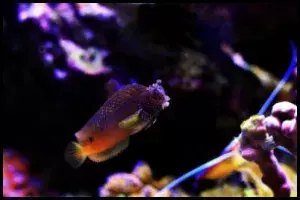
(261, 135)
(143, 171)
(282, 124)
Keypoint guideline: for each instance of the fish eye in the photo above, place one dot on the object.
(91, 139)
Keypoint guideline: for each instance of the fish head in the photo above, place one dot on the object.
(154, 99)
(87, 138)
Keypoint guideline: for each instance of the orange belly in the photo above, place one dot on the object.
(106, 140)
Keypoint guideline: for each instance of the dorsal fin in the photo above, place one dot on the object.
(112, 86)
(118, 98)
(114, 103)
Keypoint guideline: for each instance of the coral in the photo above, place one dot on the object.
(138, 183)
(16, 178)
(146, 191)
(104, 192)
(249, 193)
(83, 54)
(224, 191)
(282, 124)
(291, 173)
(162, 182)
(292, 176)
(260, 135)
(253, 174)
(143, 172)
(89, 61)
(123, 183)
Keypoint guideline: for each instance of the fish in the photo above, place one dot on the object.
(128, 111)
(222, 168)
(223, 165)
(219, 169)
(112, 86)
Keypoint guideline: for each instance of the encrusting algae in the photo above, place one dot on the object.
(138, 183)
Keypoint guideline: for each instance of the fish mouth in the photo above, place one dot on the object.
(166, 102)
(158, 86)
(165, 105)
(77, 135)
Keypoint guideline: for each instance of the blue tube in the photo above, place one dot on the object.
(272, 96)
(285, 78)
(202, 168)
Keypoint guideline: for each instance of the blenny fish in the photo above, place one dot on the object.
(128, 111)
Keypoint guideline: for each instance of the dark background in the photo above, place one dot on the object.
(41, 114)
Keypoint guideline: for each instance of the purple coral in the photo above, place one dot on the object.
(284, 114)
(261, 135)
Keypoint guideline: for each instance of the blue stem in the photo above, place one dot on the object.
(205, 166)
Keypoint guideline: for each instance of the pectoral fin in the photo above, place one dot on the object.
(136, 122)
(110, 153)
(132, 121)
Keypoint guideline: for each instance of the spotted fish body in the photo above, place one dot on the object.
(122, 101)
(105, 123)
(128, 111)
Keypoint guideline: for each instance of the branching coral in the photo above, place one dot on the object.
(282, 124)
(260, 135)
(138, 183)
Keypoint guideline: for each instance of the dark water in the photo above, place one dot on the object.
(41, 114)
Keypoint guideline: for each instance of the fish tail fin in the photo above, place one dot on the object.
(74, 154)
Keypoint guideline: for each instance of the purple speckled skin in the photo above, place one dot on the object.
(121, 105)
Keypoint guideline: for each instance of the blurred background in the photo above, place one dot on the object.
(58, 58)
